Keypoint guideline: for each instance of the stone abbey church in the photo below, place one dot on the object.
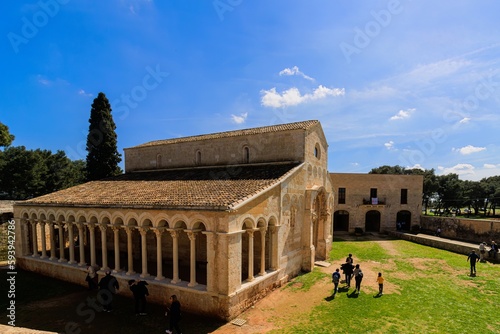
(219, 219)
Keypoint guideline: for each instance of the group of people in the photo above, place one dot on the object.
(350, 270)
(108, 286)
(473, 257)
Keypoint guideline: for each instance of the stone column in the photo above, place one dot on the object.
(116, 238)
(192, 261)
(144, 252)
(44, 241)
(262, 251)
(159, 267)
(61, 242)
(212, 253)
(273, 237)
(250, 255)
(52, 241)
(81, 244)
(71, 239)
(104, 246)
(130, 258)
(91, 227)
(34, 236)
(175, 256)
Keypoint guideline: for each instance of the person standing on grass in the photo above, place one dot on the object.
(380, 281)
(358, 277)
(494, 250)
(473, 258)
(482, 251)
(335, 280)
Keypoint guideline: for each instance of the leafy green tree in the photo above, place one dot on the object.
(450, 191)
(102, 156)
(5, 137)
(398, 170)
(21, 174)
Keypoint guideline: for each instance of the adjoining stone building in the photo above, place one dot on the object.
(376, 202)
(218, 219)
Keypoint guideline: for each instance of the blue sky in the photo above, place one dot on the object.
(399, 82)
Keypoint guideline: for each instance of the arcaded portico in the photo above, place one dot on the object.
(218, 219)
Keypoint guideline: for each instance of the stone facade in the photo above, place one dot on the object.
(219, 219)
(376, 202)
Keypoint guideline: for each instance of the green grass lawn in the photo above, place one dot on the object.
(427, 290)
(432, 293)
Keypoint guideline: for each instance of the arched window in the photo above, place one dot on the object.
(246, 154)
(158, 161)
(198, 157)
(317, 151)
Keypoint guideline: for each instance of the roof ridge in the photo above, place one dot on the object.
(304, 125)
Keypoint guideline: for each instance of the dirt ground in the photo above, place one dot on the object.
(279, 307)
(283, 305)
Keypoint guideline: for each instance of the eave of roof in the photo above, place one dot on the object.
(304, 125)
(184, 189)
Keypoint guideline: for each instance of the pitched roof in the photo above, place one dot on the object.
(304, 125)
(214, 188)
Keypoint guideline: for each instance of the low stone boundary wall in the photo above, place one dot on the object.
(442, 243)
(469, 230)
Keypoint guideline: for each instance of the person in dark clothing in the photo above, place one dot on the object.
(492, 253)
(108, 286)
(140, 291)
(175, 315)
(358, 277)
(347, 268)
(473, 258)
(335, 280)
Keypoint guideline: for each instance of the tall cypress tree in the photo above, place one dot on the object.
(102, 156)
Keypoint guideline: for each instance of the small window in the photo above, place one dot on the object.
(317, 151)
(404, 196)
(373, 193)
(341, 196)
(158, 161)
(198, 157)
(246, 155)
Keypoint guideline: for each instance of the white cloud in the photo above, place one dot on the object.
(464, 120)
(295, 71)
(84, 93)
(491, 166)
(239, 119)
(469, 149)
(459, 169)
(292, 97)
(43, 81)
(402, 114)
(416, 166)
(389, 145)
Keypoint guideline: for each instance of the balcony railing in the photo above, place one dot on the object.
(374, 201)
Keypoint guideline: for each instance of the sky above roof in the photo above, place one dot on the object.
(410, 83)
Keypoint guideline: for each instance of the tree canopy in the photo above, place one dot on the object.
(448, 192)
(5, 137)
(102, 156)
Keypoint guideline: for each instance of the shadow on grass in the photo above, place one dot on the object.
(353, 294)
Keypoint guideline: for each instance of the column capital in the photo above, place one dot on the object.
(174, 232)
(158, 231)
(116, 227)
(143, 230)
(103, 227)
(129, 229)
(91, 226)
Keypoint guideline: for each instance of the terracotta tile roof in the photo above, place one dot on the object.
(215, 188)
(305, 125)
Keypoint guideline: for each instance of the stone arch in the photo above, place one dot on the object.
(403, 220)
(341, 221)
(201, 251)
(372, 221)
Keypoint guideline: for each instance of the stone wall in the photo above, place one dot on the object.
(267, 147)
(470, 230)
